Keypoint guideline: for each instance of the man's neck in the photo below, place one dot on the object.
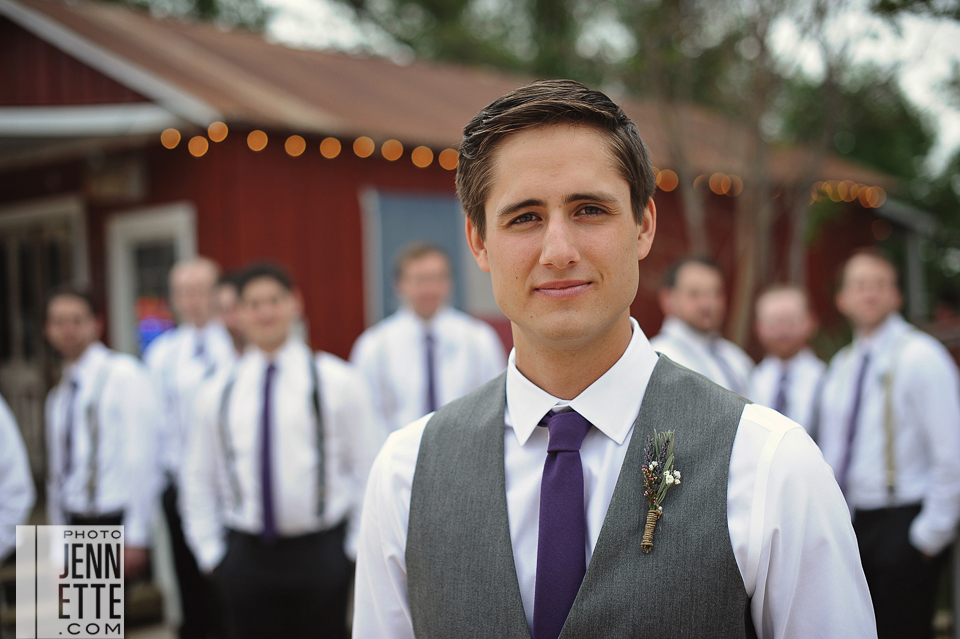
(72, 362)
(865, 331)
(566, 370)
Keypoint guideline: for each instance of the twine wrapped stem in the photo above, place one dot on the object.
(647, 543)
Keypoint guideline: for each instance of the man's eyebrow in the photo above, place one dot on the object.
(513, 208)
(599, 196)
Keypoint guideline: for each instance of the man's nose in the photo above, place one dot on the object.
(559, 244)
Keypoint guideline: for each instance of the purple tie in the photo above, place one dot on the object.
(561, 547)
(68, 429)
(266, 472)
(852, 423)
(781, 402)
(431, 373)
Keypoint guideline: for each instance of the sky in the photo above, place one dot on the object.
(922, 51)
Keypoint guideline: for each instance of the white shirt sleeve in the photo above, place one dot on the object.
(16, 483)
(932, 392)
(202, 520)
(792, 535)
(55, 514)
(366, 361)
(132, 393)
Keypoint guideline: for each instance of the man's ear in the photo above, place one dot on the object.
(646, 230)
(477, 246)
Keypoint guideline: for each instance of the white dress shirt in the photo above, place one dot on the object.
(16, 483)
(180, 360)
(392, 358)
(926, 409)
(705, 354)
(352, 437)
(804, 373)
(789, 528)
(128, 419)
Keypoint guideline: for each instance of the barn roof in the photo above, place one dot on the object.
(195, 74)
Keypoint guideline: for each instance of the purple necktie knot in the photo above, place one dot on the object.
(567, 431)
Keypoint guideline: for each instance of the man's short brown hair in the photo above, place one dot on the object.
(546, 103)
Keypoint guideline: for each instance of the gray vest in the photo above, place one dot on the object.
(462, 581)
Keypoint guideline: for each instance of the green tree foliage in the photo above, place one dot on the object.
(243, 14)
(876, 124)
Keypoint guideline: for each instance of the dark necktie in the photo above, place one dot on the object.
(68, 428)
(269, 532)
(780, 404)
(429, 353)
(200, 349)
(561, 546)
(852, 423)
(733, 382)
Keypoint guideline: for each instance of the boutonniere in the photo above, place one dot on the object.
(658, 477)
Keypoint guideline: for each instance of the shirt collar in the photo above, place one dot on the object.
(611, 403)
(680, 329)
(888, 331)
(409, 315)
(89, 360)
(290, 348)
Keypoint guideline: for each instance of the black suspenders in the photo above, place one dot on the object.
(229, 450)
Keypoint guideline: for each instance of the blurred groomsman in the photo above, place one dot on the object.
(228, 311)
(16, 484)
(102, 424)
(788, 379)
(426, 354)
(890, 428)
(276, 471)
(179, 361)
(693, 302)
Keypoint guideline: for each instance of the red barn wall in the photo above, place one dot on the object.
(35, 73)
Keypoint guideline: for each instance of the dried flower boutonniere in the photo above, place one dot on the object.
(658, 476)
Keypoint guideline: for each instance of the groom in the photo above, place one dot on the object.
(519, 510)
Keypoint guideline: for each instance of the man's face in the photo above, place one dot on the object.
(561, 241)
(784, 325)
(192, 292)
(424, 284)
(71, 327)
(228, 307)
(267, 310)
(869, 292)
(698, 298)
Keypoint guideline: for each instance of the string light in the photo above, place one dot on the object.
(449, 158)
(668, 180)
(392, 150)
(257, 140)
(422, 157)
(170, 138)
(217, 131)
(295, 146)
(330, 148)
(198, 146)
(363, 147)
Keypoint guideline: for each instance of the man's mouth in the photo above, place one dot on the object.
(563, 289)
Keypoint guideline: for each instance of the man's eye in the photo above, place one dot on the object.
(523, 218)
(591, 210)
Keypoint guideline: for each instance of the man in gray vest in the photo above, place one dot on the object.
(520, 509)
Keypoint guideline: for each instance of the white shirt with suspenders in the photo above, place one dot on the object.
(906, 449)
(180, 360)
(221, 477)
(102, 426)
(16, 482)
